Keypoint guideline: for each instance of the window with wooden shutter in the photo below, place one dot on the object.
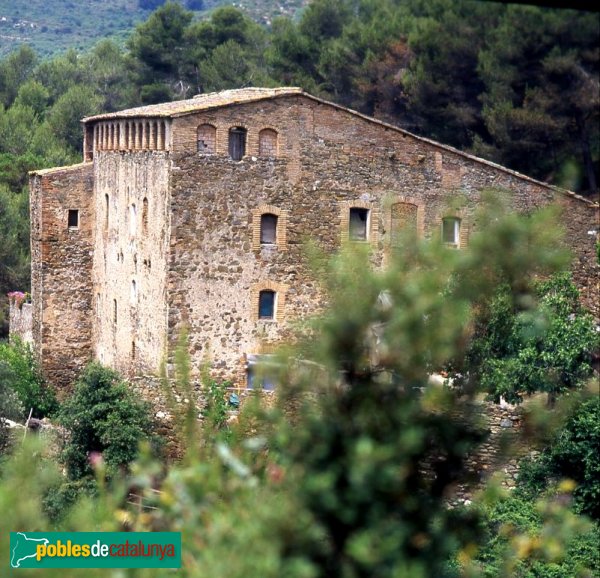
(237, 143)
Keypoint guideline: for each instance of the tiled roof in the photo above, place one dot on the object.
(198, 103)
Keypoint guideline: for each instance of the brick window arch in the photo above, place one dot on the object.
(269, 224)
(359, 221)
(453, 226)
(207, 139)
(267, 142)
(268, 300)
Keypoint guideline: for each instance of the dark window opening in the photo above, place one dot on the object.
(106, 211)
(115, 311)
(73, 218)
(145, 215)
(358, 224)
(268, 229)
(266, 305)
(237, 143)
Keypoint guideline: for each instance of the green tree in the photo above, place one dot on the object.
(159, 49)
(516, 350)
(14, 247)
(102, 416)
(64, 118)
(108, 67)
(571, 453)
(33, 95)
(15, 70)
(23, 376)
(541, 71)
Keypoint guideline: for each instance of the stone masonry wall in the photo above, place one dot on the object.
(61, 271)
(328, 160)
(20, 320)
(131, 197)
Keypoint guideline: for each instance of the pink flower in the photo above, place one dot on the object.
(96, 460)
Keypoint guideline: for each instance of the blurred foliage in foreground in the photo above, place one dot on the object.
(350, 475)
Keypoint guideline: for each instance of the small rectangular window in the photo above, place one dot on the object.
(268, 229)
(451, 231)
(73, 218)
(266, 305)
(358, 224)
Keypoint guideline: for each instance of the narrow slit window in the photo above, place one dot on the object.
(266, 305)
(451, 231)
(134, 293)
(145, 215)
(73, 218)
(268, 229)
(106, 211)
(237, 143)
(115, 311)
(358, 224)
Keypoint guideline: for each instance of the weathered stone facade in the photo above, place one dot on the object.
(172, 227)
(20, 320)
(61, 266)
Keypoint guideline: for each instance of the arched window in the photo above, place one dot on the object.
(267, 142)
(207, 139)
(266, 304)
(451, 231)
(359, 219)
(268, 229)
(237, 143)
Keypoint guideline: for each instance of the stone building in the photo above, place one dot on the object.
(194, 213)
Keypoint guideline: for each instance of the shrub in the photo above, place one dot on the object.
(23, 376)
(517, 349)
(103, 417)
(573, 454)
(520, 524)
